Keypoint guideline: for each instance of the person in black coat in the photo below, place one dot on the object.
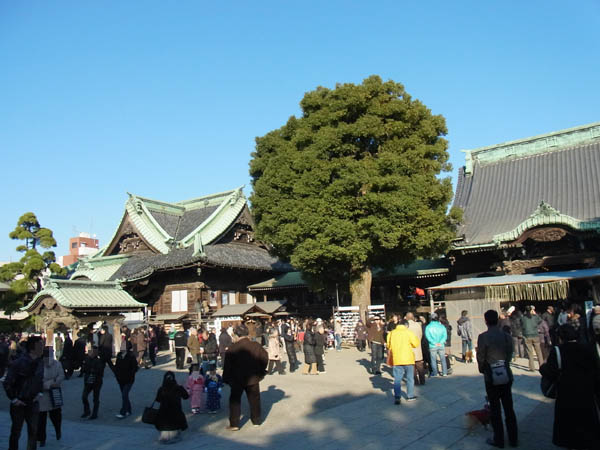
(125, 368)
(79, 351)
(67, 356)
(171, 420)
(245, 366)
(310, 358)
(93, 374)
(576, 419)
(225, 342)
(320, 342)
(290, 347)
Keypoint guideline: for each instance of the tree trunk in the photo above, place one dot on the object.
(360, 289)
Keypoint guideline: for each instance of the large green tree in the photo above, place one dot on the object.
(27, 272)
(354, 183)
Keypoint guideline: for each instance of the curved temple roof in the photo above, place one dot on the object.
(549, 179)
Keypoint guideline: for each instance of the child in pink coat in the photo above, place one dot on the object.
(195, 387)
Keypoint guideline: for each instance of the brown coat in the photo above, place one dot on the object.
(375, 334)
(245, 363)
(193, 344)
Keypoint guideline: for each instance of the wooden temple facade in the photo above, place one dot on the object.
(178, 261)
(531, 225)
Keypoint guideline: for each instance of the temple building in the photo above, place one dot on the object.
(178, 261)
(531, 225)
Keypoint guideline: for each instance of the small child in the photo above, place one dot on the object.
(195, 387)
(213, 383)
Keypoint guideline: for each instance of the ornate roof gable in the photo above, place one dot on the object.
(157, 227)
(546, 215)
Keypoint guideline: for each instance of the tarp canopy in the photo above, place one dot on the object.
(534, 286)
(287, 280)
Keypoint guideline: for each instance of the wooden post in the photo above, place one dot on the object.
(50, 337)
(117, 336)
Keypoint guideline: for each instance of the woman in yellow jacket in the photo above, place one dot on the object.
(400, 343)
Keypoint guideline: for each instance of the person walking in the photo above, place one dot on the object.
(225, 342)
(23, 384)
(125, 369)
(290, 346)
(93, 373)
(195, 388)
(576, 418)
(245, 366)
(416, 328)
(193, 346)
(51, 399)
(310, 359)
(494, 353)
(172, 331)
(213, 384)
(180, 339)
(209, 349)
(79, 353)
(529, 323)
(320, 343)
(361, 336)
(437, 336)
(516, 331)
(375, 334)
(67, 356)
(337, 333)
(141, 345)
(401, 342)
(274, 352)
(465, 331)
(105, 346)
(170, 420)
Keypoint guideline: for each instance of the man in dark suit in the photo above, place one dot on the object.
(245, 365)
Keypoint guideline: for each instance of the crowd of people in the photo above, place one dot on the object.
(565, 344)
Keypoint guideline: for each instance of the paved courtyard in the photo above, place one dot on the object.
(345, 408)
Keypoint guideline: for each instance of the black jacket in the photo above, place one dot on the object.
(320, 342)
(309, 347)
(24, 379)
(180, 339)
(245, 363)
(79, 349)
(225, 341)
(170, 415)
(93, 367)
(210, 346)
(125, 368)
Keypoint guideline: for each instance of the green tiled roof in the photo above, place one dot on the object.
(86, 295)
(99, 269)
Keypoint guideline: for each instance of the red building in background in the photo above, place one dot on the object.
(80, 247)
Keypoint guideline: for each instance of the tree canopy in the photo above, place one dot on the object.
(25, 274)
(354, 183)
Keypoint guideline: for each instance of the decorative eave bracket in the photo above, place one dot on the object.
(546, 215)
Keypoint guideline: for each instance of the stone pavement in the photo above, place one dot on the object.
(345, 408)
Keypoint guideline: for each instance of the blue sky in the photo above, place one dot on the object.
(164, 98)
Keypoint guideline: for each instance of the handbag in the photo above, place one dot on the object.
(390, 358)
(550, 388)
(499, 373)
(56, 397)
(150, 414)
